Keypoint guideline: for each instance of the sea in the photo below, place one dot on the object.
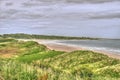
(107, 45)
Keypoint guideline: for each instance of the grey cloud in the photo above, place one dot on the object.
(78, 1)
(94, 18)
(90, 1)
(41, 10)
(107, 16)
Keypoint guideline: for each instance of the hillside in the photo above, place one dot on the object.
(21, 60)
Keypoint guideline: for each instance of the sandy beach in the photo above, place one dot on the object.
(53, 45)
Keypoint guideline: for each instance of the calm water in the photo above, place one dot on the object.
(103, 45)
(93, 18)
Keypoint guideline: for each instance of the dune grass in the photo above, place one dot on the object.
(32, 61)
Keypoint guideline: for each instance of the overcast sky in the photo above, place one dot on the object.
(89, 18)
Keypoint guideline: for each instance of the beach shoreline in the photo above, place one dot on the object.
(54, 45)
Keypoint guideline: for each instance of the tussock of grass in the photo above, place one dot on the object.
(16, 71)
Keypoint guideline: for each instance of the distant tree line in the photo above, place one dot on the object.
(34, 36)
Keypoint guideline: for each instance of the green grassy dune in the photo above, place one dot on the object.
(31, 61)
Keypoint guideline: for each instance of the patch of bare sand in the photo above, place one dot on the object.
(7, 53)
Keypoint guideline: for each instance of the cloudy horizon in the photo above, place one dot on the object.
(89, 18)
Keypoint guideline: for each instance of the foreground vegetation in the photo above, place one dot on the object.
(33, 36)
(30, 61)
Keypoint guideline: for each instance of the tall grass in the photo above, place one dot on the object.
(11, 70)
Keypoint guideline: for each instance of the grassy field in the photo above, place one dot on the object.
(31, 61)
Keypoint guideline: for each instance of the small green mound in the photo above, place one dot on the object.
(39, 56)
